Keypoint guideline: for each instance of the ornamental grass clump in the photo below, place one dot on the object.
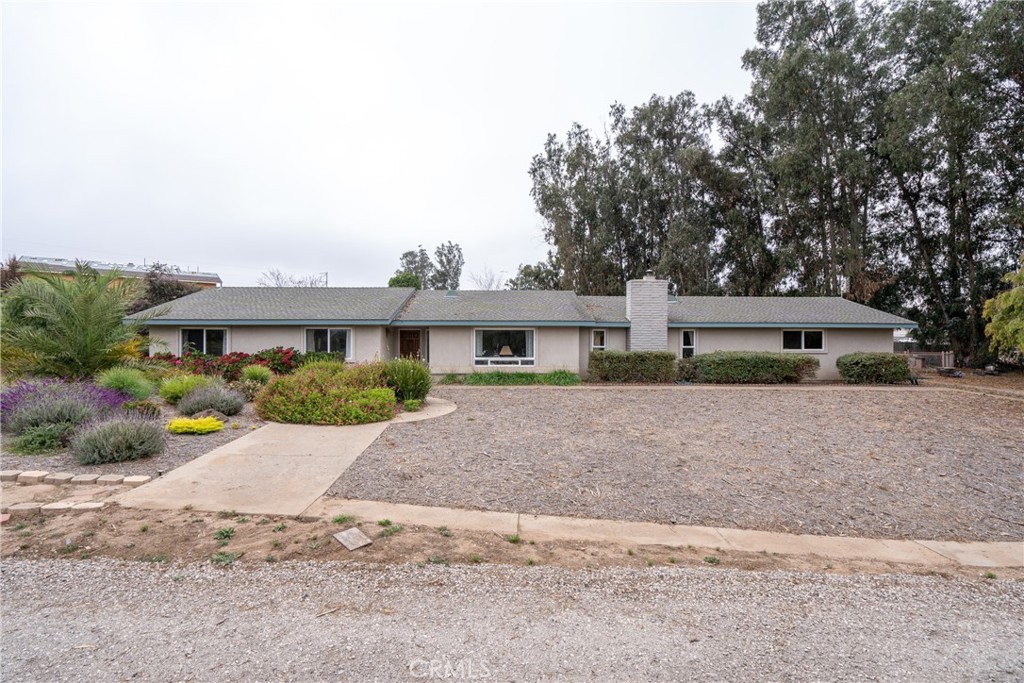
(199, 425)
(260, 374)
(213, 397)
(409, 378)
(127, 380)
(117, 440)
(173, 388)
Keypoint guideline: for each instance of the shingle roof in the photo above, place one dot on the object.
(605, 309)
(783, 310)
(284, 304)
(495, 306)
(401, 305)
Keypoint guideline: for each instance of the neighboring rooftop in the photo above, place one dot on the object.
(286, 305)
(47, 264)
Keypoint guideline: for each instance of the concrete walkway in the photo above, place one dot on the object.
(548, 528)
(279, 469)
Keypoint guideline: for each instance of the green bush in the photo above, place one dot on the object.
(173, 388)
(323, 398)
(450, 378)
(256, 373)
(498, 378)
(199, 425)
(117, 440)
(873, 368)
(143, 409)
(559, 378)
(412, 405)
(44, 438)
(650, 367)
(410, 379)
(127, 380)
(748, 367)
(213, 397)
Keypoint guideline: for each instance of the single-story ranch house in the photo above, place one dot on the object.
(537, 331)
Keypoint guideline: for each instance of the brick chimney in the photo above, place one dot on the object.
(647, 312)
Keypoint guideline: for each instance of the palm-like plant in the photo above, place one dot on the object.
(68, 327)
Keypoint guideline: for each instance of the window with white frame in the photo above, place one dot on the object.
(503, 347)
(803, 340)
(687, 343)
(597, 340)
(202, 340)
(329, 340)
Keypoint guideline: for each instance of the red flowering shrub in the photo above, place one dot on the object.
(229, 366)
(280, 359)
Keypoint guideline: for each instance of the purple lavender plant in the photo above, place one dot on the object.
(63, 398)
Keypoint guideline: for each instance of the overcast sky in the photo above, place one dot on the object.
(236, 137)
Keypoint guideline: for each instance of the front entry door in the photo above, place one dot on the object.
(409, 343)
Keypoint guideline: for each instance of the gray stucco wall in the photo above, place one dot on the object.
(838, 342)
(451, 350)
(614, 340)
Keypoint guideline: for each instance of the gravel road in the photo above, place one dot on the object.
(831, 460)
(66, 620)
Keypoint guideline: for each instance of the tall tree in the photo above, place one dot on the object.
(448, 262)
(419, 264)
(542, 275)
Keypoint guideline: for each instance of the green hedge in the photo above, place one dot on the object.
(632, 366)
(502, 378)
(873, 368)
(323, 400)
(747, 367)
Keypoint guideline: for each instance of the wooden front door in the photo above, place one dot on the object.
(409, 343)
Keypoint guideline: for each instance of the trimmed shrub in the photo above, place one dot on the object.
(256, 373)
(213, 397)
(412, 405)
(117, 440)
(651, 367)
(873, 368)
(323, 398)
(173, 388)
(126, 380)
(748, 367)
(199, 425)
(559, 378)
(409, 378)
(42, 439)
(372, 375)
(146, 410)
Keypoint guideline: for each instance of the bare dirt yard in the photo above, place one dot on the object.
(181, 448)
(914, 462)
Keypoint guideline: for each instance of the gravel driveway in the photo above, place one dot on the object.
(103, 620)
(890, 463)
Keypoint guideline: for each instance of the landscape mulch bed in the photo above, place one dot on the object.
(181, 448)
(908, 462)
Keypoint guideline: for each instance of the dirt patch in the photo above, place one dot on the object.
(1007, 381)
(181, 448)
(186, 536)
(840, 461)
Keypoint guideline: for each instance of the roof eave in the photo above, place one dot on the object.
(881, 326)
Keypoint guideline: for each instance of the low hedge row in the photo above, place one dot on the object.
(747, 367)
(873, 368)
(322, 399)
(633, 366)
